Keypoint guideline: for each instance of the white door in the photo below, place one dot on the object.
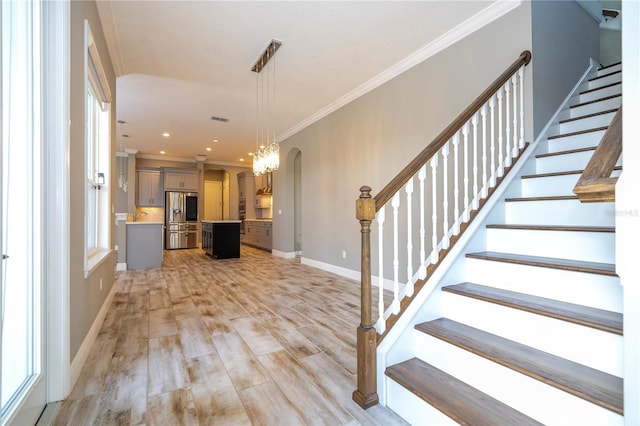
(212, 200)
(23, 389)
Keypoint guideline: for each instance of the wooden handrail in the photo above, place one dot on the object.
(595, 183)
(430, 150)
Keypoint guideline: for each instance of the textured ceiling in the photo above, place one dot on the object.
(181, 62)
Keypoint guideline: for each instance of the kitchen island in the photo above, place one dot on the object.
(144, 244)
(221, 238)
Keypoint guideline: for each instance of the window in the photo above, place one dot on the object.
(97, 154)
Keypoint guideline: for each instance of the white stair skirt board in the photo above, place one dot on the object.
(527, 395)
(582, 140)
(597, 291)
(559, 212)
(574, 342)
(578, 245)
(594, 107)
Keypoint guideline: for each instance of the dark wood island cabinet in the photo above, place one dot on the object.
(221, 238)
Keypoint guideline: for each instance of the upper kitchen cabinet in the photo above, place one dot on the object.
(246, 187)
(181, 181)
(149, 191)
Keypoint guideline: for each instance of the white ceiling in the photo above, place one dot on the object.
(181, 62)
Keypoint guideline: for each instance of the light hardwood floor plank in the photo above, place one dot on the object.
(172, 408)
(167, 369)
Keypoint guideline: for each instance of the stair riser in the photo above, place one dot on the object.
(548, 186)
(596, 107)
(597, 291)
(588, 246)
(608, 70)
(583, 140)
(613, 78)
(574, 342)
(527, 395)
(559, 212)
(601, 93)
(413, 409)
(560, 163)
(583, 124)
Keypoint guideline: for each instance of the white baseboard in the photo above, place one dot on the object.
(338, 270)
(90, 338)
(284, 254)
(121, 266)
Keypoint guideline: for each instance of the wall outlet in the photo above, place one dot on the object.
(100, 283)
(344, 254)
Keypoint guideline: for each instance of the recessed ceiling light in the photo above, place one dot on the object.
(166, 134)
(162, 152)
(215, 140)
(208, 149)
(250, 154)
(242, 159)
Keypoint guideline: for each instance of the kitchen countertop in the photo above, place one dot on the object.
(258, 220)
(145, 223)
(220, 221)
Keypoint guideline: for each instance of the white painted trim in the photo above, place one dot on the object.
(57, 197)
(593, 8)
(85, 348)
(284, 254)
(338, 270)
(479, 20)
(121, 266)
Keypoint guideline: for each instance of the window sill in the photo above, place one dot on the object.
(95, 260)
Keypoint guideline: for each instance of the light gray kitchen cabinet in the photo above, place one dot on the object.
(181, 181)
(150, 192)
(258, 233)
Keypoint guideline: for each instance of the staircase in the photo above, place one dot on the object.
(526, 328)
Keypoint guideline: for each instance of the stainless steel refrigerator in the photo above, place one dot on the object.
(181, 220)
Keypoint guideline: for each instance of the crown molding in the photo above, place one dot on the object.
(479, 20)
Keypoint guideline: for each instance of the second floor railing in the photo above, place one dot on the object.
(414, 219)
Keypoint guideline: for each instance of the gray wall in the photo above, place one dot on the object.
(610, 46)
(370, 140)
(86, 296)
(564, 37)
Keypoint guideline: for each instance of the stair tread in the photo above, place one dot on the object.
(582, 117)
(543, 198)
(566, 152)
(595, 386)
(599, 319)
(579, 132)
(463, 403)
(605, 98)
(604, 67)
(548, 262)
(554, 228)
(564, 173)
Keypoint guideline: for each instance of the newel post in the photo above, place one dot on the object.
(366, 394)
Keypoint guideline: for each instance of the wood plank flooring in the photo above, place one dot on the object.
(252, 341)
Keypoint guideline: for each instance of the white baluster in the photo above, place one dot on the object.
(434, 217)
(492, 109)
(395, 305)
(514, 83)
(381, 326)
(465, 141)
(408, 189)
(521, 75)
(474, 125)
(507, 123)
(456, 185)
(422, 271)
(500, 130)
(445, 196)
(485, 184)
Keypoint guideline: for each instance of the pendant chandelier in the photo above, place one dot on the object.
(123, 173)
(266, 158)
